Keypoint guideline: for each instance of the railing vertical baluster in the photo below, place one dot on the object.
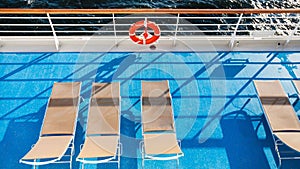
(115, 30)
(176, 29)
(53, 32)
(231, 43)
(292, 32)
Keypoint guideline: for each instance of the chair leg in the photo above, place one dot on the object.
(119, 155)
(143, 154)
(34, 166)
(279, 165)
(143, 160)
(71, 154)
(177, 165)
(71, 160)
(278, 154)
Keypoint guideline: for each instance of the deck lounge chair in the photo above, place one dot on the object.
(158, 128)
(102, 140)
(281, 117)
(56, 140)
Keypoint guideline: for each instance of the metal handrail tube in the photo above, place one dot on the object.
(121, 31)
(134, 17)
(24, 25)
(159, 24)
(145, 11)
(137, 16)
(186, 25)
(25, 31)
(80, 18)
(19, 17)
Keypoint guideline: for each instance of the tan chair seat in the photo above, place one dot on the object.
(99, 146)
(291, 139)
(49, 147)
(164, 143)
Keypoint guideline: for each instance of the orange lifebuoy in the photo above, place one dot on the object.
(145, 38)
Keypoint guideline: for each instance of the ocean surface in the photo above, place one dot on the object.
(110, 4)
(207, 4)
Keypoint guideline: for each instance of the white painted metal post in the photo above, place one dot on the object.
(231, 43)
(115, 30)
(176, 30)
(53, 32)
(291, 33)
(29, 2)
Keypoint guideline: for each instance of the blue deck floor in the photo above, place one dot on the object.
(217, 115)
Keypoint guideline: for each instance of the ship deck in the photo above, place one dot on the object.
(218, 117)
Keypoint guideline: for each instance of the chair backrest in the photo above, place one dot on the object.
(157, 113)
(104, 111)
(62, 108)
(277, 108)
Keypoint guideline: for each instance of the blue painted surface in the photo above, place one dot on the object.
(217, 116)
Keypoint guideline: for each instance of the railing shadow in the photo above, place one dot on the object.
(236, 126)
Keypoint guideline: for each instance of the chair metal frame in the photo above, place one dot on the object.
(35, 163)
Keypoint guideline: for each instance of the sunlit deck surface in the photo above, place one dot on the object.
(217, 115)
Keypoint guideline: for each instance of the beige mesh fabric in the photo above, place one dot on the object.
(157, 118)
(103, 118)
(106, 90)
(164, 143)
(99, 146)
(155, 89)
(62, 109)
(291, 139)
(277, 107)
(49, 147)
(104, 109)
(157, 112)
(65, 90)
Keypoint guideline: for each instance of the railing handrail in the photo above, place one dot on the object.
(253, 23)
(146, 11)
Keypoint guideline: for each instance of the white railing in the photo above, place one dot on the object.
(173, 23)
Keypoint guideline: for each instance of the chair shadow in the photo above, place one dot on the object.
(244, 149)
(129, 142)
(20, 134)
(227, 71)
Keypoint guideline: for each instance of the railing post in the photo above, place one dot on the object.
(231, 43)
(176, 30)
(53, 32)
(291, 33)
(115, 30)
